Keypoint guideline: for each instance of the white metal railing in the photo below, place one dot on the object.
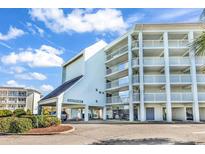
(200, 61)
(180, 78)
(154, 78)
(118, 83)
(178, 43)
(200, 78)
(149, 61)
(154, 97)
(153, 43)
(117, 52)
(135, 62)
(135, 44)
(136, 97)
(117, 99)
(181, 96)
(135, 79)
(201, 96)
(117, 68)
(179, 61)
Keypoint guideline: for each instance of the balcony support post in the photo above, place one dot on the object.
(194, 81)
(131, 109)
(167, 75)
(141, 74)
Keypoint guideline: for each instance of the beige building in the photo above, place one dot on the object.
(12, 98)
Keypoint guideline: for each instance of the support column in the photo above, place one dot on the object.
(86, 113)
(131, 110)
(194, 81)
(167, 75)
(141, 75)
(59, 106)
(104, 113)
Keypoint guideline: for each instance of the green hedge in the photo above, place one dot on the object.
(19, 112)
(41, 121)
(5, 113)
(15, 125)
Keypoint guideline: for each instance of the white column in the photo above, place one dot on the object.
(131, 110)
(184, 113)
(194, 81)
(59, 105)
(141, 74)
(104, 113)
(86, 113)
(167, 75)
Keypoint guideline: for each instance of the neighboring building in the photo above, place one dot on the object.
(12, 98)
(149, 73)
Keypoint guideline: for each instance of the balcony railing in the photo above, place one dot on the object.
(154, 97)
(135, 79)
(200, 61)
(178, 43)
(179, 61)
(150, 61)
(181, 97)
(117, 99)
(153, 43)
(201, 96)
(117, 68)
(135, 44)
(118, 83)
(136, 97)
(117, 52)
(135, 62)
(154, 79)
(200, 78)
(178, 78)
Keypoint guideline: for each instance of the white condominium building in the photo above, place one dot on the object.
(148, 74)
(12, 98)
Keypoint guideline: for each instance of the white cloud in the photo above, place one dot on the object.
(17, 69)
(81, 20)
(11, 34)
(134, 18)
(46, 88)
(45, 56)
(13, 83)
(31, 76)
(5, 45)
(34, 29)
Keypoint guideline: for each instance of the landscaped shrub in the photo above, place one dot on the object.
(50, 121)
(5, 124)
(28, 112)
(19, 112)
(46, 111)
(20, 125)
(5, 113)
(37, 120)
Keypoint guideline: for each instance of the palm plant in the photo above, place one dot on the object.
(198, 45)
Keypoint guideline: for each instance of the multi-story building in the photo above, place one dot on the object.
(12, 98)
(149, 73)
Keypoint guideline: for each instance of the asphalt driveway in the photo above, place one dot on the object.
(118, 134)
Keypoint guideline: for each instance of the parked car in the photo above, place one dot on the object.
(64, 115)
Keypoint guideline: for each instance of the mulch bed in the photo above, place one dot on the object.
(50, 130)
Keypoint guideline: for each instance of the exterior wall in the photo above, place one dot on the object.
(202, 113)
(91, 88)
(158, 113)
(178, 114)
(74, 69)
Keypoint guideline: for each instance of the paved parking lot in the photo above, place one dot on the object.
(119, 134)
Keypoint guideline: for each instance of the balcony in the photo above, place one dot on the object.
(117, 68)
(135, 62)
(181, 97)
(135, 79)
(118, 83)
(117, 99)
(136, 97)
(178, 78)
(200, 61)
(153, 61)
(154, 79)
(200, 78)
(153, 44)
(178, 43)
(155, 97)
(135, 44)
(201, 96)
(179, 61)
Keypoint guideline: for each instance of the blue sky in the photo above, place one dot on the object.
(35, 42)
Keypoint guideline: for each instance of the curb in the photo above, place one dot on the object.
(51, 133)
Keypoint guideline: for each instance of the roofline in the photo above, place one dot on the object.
(73, 58)
(20, 88)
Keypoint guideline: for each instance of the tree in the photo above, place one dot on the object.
(198, 45)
